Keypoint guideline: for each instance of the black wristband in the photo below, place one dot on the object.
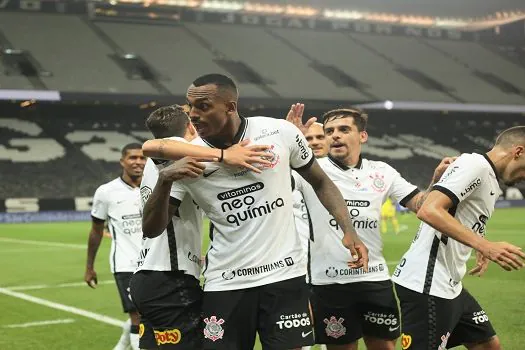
(222, 156)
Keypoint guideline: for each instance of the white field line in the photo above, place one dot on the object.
(62, 307)
(43, 243)
(39, 323)
(62, 285)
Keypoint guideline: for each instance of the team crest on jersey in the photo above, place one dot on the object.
(406, 341)
(213, 329)
(145, 192)
(272, 157)
(378, 182)
(331, 272)
(334, 327)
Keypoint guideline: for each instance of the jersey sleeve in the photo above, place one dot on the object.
(401, 190)
(301, 156)
(149, 180)
(99, 209)
(177, 194)
(462, 178)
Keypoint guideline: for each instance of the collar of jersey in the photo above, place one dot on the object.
(125, 183)
(345, 167)
(492, 165)
(238, 136)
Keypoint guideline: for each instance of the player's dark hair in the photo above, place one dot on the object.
(222, 82)
(130, 146)
(359, 116)
(511, 136)
(168, 121)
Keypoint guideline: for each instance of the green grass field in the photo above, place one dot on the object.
(43, 266)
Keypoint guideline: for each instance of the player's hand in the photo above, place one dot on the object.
(358, 250)
(249, 157)
(295, 116)
(90, 277)
(442, 166)
(187, 167)
(506, 255)
(482, 264)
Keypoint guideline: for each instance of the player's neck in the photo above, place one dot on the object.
(226, 137)
(131, 181)
(352, 160)
(500, 158)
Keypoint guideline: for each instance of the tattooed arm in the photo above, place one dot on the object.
(415, 203)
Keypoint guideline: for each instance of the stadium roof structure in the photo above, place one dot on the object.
(445, 8)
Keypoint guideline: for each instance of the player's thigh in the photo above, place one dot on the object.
(122, 280)
(337, 319)
(172, 303)
(474, 327)
(379, 311)
(284, 320)
(230, 319)
(425, 319)
(146, 335)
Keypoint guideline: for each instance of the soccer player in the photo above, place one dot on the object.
(118, 203)
(437, 312)
(255, 266)
(350, 303)
(388, 212)
(166, 285)
(314, 135)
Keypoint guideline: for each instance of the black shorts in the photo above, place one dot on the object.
(343, 313)
(147, 336)
(430, 322)
(171, 303)
(122, 279)
(278, 312)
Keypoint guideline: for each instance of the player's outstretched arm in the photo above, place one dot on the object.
(157, 210)
(238, 155)
(333, 201)
(434, 212)
(95, 237)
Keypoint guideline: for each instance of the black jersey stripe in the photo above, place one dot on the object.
(172, 245)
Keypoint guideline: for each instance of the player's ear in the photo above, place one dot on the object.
(363, 136)
(231, 107)
(519, 152)
(191, 132)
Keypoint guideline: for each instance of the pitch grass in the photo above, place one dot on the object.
(501, 293)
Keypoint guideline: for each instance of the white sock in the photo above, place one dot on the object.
(134, 341)
(306, 348)
(123, 342)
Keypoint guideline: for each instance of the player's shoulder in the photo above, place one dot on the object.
(110, 184)
(377, 165)
(472, 161)
(262, 122)
(324, 162)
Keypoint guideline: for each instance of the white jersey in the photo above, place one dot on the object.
(253, 240)
(178, 247)
(365, 188)
(435, 264)
(119, 204)
(300, 212)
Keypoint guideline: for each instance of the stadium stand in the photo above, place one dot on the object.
(62, 45)
(267, 62)
(69, 150)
